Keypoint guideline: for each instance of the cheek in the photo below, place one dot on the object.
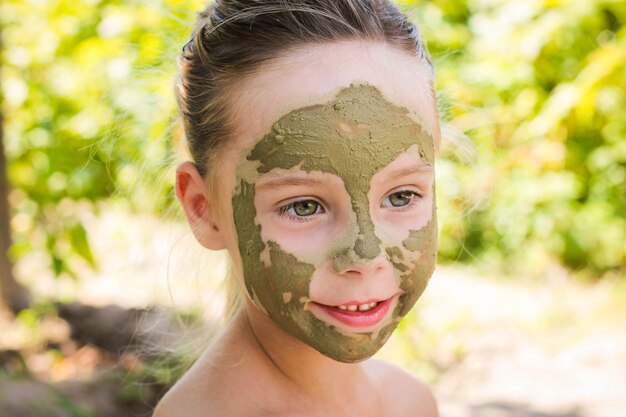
(304, 240)
(398, 232)
(226, 227)
(393, 228)
(416, 258)
(309, 240)
(414, 254)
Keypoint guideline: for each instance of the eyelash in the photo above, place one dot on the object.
(406, 207)
(285, 210)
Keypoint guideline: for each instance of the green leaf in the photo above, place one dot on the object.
(80, 244)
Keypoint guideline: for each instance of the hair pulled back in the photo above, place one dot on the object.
(233, 38)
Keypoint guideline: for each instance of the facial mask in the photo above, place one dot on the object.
(353, 137)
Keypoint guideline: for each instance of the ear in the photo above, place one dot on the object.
(193, 194)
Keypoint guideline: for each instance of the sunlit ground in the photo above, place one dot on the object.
(489, 346)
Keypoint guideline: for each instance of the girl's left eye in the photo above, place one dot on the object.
(301, 209)
(400, 199)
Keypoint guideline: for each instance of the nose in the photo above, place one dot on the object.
(359, 267)
(362, 253)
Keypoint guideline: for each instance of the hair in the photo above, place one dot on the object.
(234, 38)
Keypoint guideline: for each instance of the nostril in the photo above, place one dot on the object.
(379, 263)
(363, 267)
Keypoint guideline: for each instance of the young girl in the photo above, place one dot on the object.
(312, 125)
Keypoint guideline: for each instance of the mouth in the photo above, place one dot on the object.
(355, 315)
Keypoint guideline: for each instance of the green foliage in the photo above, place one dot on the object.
(89, 113)
(539, 87)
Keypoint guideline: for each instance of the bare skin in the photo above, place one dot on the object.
(254, 368)
(243, 374)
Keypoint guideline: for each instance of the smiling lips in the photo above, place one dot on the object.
(358, 315)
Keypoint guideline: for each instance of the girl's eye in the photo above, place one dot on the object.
(400, 198)
(303, 208)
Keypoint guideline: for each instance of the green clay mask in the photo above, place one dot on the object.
(352, 138)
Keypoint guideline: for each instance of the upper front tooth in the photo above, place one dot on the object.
(364, 307)
(352, 308)
(342, 308)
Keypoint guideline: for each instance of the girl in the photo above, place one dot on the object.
(312, 125)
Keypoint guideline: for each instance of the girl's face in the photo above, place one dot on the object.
(333, 215)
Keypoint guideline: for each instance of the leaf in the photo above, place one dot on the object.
(80, 244)
(57, 265)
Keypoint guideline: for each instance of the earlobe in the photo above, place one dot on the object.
(193, 194)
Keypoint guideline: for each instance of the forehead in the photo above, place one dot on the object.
(316, 73)
(365, 131)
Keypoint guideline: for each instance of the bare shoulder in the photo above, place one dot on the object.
(187, 398)
(226, 372)
(408, 396)
(203, 391)
(171, 405)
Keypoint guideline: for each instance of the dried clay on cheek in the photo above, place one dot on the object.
(353, 137)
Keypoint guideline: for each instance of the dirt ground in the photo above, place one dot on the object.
(554, 350)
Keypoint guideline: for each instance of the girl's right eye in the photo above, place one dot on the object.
(301, 209)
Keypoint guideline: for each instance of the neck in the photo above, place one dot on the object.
(301, 367)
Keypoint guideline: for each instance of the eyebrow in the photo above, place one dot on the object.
(284, 181)
(413, 169)
(279, 181)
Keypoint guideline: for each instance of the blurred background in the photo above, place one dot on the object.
(105, 297)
